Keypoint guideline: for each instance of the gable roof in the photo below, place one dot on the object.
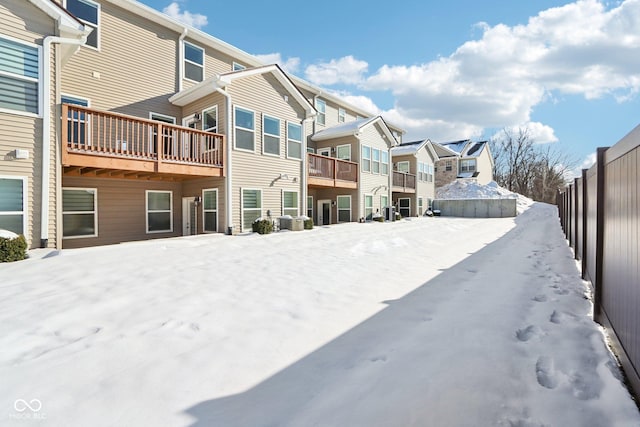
(413, 147)
(68, 24)
(353, 128)
(221, 81)
(443, 151)
(457, 147)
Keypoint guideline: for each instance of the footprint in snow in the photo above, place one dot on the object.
(540, 298)
(378, 359)
(526, 334)
(546, 372)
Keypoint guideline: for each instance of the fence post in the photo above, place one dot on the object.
(584, 222)
(600, 199)
(575, 218)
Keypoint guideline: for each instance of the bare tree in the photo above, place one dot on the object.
(533, 170)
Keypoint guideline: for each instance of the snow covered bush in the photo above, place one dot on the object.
(262, 226)
(13, 248)
(308, 224)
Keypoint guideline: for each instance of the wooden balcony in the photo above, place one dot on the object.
(329, 172)
(104, 144)
(404, 182)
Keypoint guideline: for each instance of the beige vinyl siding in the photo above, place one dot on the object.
(121, 210)
(264, 94)
(426, 190)
(23, 21)
(371, 183)
(483, 165)
(205, 103)
(133, 80)
(215, 62)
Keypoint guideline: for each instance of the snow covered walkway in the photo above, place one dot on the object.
(424, 322)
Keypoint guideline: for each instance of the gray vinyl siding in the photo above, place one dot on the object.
(255, 170)
(372, 183)
(135, 70)
(332, 194)
(122, 210)
(194, 189)
(23, 21)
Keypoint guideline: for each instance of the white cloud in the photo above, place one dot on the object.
(497, 80)
(193, 19)
(538, 132)
(347, 70)
(291, 65)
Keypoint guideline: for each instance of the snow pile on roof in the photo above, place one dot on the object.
(466, 189)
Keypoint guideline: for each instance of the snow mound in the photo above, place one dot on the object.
(7, 234)
(466, 189)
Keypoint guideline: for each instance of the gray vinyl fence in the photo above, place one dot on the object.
(600, 215)
(476, 208)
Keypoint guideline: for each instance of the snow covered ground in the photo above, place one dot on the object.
(421, 322)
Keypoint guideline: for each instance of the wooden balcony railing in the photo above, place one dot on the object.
(137, 142)
(329, 172)
(403, 181)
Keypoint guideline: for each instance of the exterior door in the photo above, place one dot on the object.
(189, 217)
(324, 151)
(324, 212)
(404, 207)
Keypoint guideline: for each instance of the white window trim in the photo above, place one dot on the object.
(146, 209)
(242, 208)
(342, 115)
(38, 80)
(309, 206)
(373, 161)
(343, 145)
(95, 213)
(268, 134)
(384, 205)
(235, 127)
(467, 162)
(323, 114)
(384, 163)
(364, 205)
(164, 116)
(420, 205)
(91, 24)
(80, 98)
(403, 163)
(216, 210)
(362, 159)
(297, 204)
(25, 202)
(236, 66)
(184, 60)
(322, 150)
(294, 140)
(338, 209)
(214, 107)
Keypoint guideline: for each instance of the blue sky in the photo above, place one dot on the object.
(569, 71)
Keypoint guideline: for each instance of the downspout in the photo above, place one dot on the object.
(181, 57)
(45, 101)
(228, 165)
(305, 166)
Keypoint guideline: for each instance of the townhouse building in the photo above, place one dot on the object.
(413, 183)
(464, 159)
(144, 127)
